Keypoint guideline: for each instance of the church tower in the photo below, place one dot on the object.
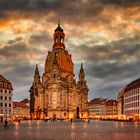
(37, 96)
(59, 37)
(81, 75)
(36, 76)
(58, 95)
(83, 88)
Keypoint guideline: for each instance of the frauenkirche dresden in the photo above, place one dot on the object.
(58, 94)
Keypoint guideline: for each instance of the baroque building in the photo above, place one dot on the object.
(6, 98)
(58, 95)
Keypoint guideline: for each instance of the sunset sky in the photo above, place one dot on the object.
(103, 34)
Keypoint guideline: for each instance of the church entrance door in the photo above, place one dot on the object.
(54, 116)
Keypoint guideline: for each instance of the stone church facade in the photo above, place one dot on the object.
(58, 95)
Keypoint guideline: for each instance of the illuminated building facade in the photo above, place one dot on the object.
(58, 95)
(132, 99)
(6, 98)
(21, 110)
(94, 107)
(103, 108)
(111, 108)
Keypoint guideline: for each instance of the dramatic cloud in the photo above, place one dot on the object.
(103, 34)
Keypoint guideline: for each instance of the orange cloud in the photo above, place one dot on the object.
(6, 23)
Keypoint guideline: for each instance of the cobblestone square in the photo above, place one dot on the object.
(95, 130)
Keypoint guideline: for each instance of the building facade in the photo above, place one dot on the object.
(111, 109)
(120, 100)
(132, 100)
(94, 108)
(6, 98)
(21, 110)
(103, 108)
(58, 95)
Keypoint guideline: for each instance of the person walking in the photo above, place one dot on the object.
(89, 120)
(18, 120)
(6, 123)
(71, 120)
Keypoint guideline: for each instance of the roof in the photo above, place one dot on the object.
(5, 83)
(95, 101)
(132, 85)
(121, 93)
(111, 102)
(25, 100)
(103, 101)
(20, 104)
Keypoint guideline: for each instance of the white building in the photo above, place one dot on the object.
(6, 94)
(132, 100)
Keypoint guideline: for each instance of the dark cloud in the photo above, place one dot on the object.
(121, 2)
(20, 51)
(114, 63)
(17, 64)
(39, 8)
(71, 11)
(12, 51)
(20, 75)
(41, 38)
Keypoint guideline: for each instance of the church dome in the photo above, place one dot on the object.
(63, 59)
(59, 55)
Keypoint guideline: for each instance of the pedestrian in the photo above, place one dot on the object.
(71, 120)
(18, 120)
(6, 123)
(89, 120)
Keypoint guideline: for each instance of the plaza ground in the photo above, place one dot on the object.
(95, 130)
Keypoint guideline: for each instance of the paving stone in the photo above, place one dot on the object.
(95, 130)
